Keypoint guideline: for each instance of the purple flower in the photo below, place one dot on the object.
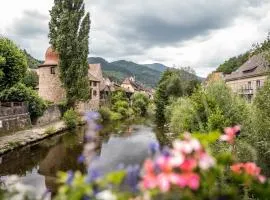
(154, 148)
(81, 159)
(166, 152)
(70, 177)
(132, 177)
(92, 116)
(93, 175)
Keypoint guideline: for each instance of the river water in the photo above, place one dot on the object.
(37, 165)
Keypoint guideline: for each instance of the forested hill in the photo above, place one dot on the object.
(121, 69)
(147, 74)
(31, 61)
(234, 63)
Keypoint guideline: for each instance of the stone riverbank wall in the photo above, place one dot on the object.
(14, 116)
(50, 115)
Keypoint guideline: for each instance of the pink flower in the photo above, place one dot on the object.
(262, 179)
(237, 168)
(187, 146)
(230, 134)
(252, 169)
(249, 168)
(191, 180)
(149, 178)
(188, 165)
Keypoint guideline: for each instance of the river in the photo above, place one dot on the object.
(37, 165)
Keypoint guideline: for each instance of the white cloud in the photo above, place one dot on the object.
(216, 39)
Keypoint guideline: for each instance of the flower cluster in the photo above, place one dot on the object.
(178, 166)
(250, 169)
(230, 134)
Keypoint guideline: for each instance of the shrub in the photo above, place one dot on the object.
(140, 103)
(207, 109)
(105, 114)
(71, 118)
(21, 93)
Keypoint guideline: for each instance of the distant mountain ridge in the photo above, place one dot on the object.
(147, 74)
(157, 66)
(119, 70)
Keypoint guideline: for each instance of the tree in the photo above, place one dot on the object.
(173, 83)
(31, 79)
(69, 34)
(13, 64)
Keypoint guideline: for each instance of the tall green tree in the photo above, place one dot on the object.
(69, 35)
(13, 64)
(173, 83)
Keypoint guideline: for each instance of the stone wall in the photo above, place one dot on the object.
(51, 114)
(14, 116)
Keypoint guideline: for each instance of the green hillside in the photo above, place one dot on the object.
(121, 69)
(148, 75)
(31, 61)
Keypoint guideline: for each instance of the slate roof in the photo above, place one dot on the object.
(257, 65)
(95, 73)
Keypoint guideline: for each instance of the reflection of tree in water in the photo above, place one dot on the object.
(162, 137)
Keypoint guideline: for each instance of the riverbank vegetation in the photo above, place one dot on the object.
(13, 74)
(121, 107)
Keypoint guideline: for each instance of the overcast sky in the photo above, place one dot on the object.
(197, 33)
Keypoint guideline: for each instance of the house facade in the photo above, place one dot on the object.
(50, 87)
(250, 77)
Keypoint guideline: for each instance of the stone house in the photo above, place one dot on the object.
(250, 77)
(130, 86)
(50, 86)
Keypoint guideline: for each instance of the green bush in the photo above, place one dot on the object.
(105, 113)
(140, 103)
(207, 109)
(21, 93)
(71, 118)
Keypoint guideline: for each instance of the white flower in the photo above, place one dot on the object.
(206, 161)
(106, 195)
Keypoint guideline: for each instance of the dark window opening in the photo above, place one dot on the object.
(95, 84)
(95, 93)
(258, 83)
(52, 70)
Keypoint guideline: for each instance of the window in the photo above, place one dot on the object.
(52, 70)
(90, 83)
(249, 85)
(90, 96)
(258, 84)
(95, 93)
(95, 84)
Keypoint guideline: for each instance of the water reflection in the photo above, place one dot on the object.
(38, 164)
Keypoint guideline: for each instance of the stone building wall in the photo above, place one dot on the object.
(50, 85)
(13, 117)
(238, 85)
(94, 103)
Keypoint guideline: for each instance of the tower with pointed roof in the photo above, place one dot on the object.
(50, 86)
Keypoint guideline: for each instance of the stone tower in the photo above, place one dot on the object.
(50, 86)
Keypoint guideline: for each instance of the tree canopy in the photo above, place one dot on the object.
(13, 64)
(69, 34)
